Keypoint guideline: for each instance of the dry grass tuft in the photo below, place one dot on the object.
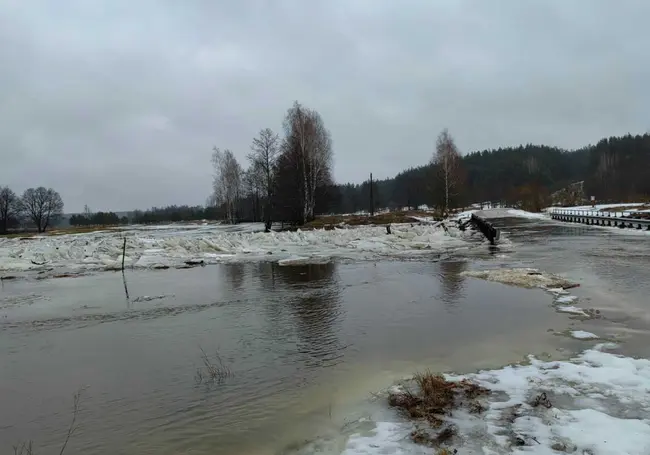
(212, 370)
(27, 448)
(329, 222)
(436, 398)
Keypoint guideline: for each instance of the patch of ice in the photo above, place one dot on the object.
(160, 248)
(571, 310)
(385, 438)
(557, 291)
(582, 335)
(465, 214)
(300, 260)
(530, 215)
(566, 299)
(522, 277)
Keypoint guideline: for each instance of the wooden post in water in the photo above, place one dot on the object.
(372, 200)
(123, 253)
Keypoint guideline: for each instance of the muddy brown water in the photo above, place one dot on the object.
(305, 345)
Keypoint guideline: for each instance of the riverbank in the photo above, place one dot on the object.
(313, 348)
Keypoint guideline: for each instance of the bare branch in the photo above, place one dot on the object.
(263, 159)
(73, 427)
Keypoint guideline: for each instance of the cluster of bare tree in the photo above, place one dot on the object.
(285, 176)
(40, 207)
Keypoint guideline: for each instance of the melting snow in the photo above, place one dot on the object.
(582, 335)
(571, 310)
(523, 277)
(160, 248)
(599, 405)
(565, 299)
(530, 215)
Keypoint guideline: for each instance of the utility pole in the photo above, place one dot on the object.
(372, 200)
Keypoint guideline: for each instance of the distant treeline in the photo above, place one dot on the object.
(615, 169)
(98, 219)
(174, 213)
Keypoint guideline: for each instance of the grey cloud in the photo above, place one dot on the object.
(117, 104)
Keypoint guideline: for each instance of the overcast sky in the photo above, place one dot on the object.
(117, 103)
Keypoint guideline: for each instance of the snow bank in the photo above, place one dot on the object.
(161, 248)
(598, 207)
(522, 277)
(530, 215)
(597, 403)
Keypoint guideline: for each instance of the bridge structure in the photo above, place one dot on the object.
(615, 219)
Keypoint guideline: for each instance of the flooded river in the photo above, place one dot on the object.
(304, 347)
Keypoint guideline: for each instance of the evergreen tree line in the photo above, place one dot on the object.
(173, 213)
(98, 219)
(530, 176)
(273, 188)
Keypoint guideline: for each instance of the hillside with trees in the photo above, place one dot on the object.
(289, 178)
(615, 169)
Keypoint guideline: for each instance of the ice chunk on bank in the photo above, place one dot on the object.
(301, 260)
(522, 277)
(582, 335)
(566, 299)
(571, 310)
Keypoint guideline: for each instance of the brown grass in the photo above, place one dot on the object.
(380, 219)
(29, 235)
(436, 399)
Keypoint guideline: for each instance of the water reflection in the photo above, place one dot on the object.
(452, 282)
(314, 306)
(234, 274)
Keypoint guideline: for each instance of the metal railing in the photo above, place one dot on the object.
(623, 217)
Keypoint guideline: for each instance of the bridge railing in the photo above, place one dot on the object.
(560, 211)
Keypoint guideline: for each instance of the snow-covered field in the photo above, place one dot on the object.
(596, 403)
(162, 247)
(599, 207)
(530, 215)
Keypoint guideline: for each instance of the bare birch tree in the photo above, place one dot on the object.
(227, 182)
(447, 163)
(10, 208)
(43, 206)
(311, 142)
(263, 159)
